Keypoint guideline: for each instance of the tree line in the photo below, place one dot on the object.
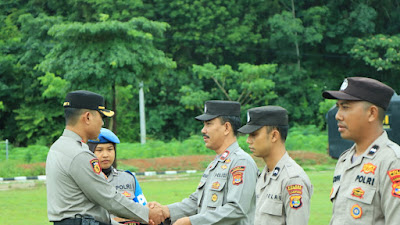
(256, 52)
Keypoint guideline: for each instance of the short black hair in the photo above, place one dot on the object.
(233, 120)
(71, 115)
(283, 130)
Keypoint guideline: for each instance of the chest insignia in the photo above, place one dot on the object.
(356, 211)
(358, 192)
(227, 161)
(127, 194)
(368, 168)
(214, 197)
(224, 167)
(95, 166)
(295, 201)
(215, 185)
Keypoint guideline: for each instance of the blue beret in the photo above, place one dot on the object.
(106, 136)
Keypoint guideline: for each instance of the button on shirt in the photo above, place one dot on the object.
(283, 195)
(76, 185)
(367, 191)
(225, 194)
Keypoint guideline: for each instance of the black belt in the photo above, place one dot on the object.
(77, 221)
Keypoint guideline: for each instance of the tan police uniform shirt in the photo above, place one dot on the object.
(225, 194)
(367, 191)
(283, 195)
(76, 185)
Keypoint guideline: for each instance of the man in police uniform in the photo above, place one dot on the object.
(77, 190)
(366, 182)
(225, 194)
(283, 190)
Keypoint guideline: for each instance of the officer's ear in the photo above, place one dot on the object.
(86, 117)
(228, 128)
(373, 113)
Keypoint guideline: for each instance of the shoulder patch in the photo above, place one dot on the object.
(237, 174)
(395, 148)
(95, 165)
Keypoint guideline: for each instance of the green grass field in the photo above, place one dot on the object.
(28, 206)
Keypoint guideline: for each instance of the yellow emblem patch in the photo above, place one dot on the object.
(215, 185)
(95, 165)
(224, 167)
(295, 189)
(368, 168)
(214, 197)
(356, 211)
(127, 194)
(295, 201)
(358, 193)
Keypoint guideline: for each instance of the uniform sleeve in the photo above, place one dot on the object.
(240, 196)
(296, 199)
(187, 207)
(390, 192)
(86, 172)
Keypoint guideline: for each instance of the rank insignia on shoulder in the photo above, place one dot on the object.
(295, 189)
(358, 192)
(368, 168)
(295, 201)
(373, 150)
(127, 194)
(214, 197)
(215, 185)
(276, 171)
(224, 155)
(95, 166)
(356, 211)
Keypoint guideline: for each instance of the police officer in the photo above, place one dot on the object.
(225, 194)
(105, 148)
(366, 181)
(283, 190)
(77, 190)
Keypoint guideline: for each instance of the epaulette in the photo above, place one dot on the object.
(395, 148)
(293, 170)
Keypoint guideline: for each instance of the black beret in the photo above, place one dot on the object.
(86, 100)
(264, 116)
(216, 108)
(362, 89)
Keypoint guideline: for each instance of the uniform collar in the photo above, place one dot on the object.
(231, 149)
(75, 136)
(370, 153)
(279, 166)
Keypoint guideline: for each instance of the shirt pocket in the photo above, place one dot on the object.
(272, 208)
(359, 203)
(216, 194)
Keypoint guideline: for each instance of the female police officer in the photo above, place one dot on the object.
(104, 147)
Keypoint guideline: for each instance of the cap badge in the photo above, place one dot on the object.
(344, 85)
(67, 104)
(248, 116)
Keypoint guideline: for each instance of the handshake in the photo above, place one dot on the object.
(159, 213)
